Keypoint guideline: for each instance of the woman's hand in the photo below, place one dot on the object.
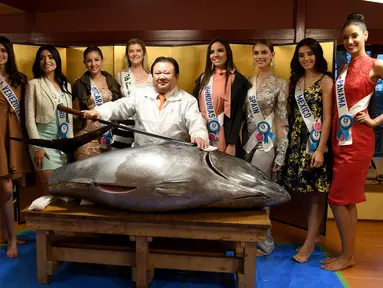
(39, 158)
(364, 117)
(276, 168)
(317, 159)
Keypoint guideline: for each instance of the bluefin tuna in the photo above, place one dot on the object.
(167, 177)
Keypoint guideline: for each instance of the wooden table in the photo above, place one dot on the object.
(188, 240)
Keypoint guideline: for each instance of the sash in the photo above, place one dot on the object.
(63, 126)
(63, 123)
(127, 83)
(346, 116)
(262, 136)
(107, 137)
(10, 96)
(313, 126)
(214, 122)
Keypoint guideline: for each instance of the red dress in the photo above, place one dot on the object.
(351, 162)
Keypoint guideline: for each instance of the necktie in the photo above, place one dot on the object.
(162, 101)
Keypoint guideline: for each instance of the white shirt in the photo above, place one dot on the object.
(179, 117)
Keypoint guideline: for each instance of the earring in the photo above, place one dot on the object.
(272, 63)
(253, 66)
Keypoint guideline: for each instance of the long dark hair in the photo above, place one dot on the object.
(297, 71)
(59, 76)
(15, 78)
(209, 68)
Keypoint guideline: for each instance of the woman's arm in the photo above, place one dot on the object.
(282, 124)
(364, 117)
(326, 87)
(30, 116)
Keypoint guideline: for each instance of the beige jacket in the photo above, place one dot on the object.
(41, 101)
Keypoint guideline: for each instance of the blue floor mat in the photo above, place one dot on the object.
(276, 270)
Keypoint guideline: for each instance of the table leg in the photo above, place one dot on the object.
(44, 256)
(142, 251)
(250, 265)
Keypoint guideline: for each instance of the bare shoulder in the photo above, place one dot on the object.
(327, 83)
(378, 68)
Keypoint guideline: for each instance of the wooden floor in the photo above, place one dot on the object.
(368, 273)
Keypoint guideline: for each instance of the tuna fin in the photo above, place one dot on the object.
(173, 188)
(68, 145)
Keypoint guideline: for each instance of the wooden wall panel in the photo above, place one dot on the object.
(76, 66)
(26, 54)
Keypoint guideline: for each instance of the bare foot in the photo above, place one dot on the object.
(340, 263)
(20, 242)
(304, 253)
(12, 250)
(329, 260)
(259, 253)
(316, 241)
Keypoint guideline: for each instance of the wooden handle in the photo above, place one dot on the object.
(69, 110)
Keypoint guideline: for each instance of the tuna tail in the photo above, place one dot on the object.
(67, 145)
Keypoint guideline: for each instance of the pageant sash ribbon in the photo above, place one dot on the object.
(107, 137)
(63, 121)
(313, 126)
(10, 96)
(346, 116)
(59, 98)
(127, 83)
(263, 135)
(214, 122)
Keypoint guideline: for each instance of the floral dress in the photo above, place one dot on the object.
(298, 175)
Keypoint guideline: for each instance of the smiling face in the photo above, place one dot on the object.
(3, 55)
(354, 38)
(135, 54)
(262, 55)
(93, 62)
(218, 55)
(164, 77)
(47, 62)
(306, 57)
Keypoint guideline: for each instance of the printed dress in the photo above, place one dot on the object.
(94, 147)
(298, 175)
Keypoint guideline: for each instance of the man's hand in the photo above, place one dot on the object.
(200, 142)
(91, 114)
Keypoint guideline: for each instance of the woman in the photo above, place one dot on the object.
(221, 92)
(307, 162)
(266, 104)
(137, 75)
(13, 161)
(43, 121)
(353, 137)
(94, 87)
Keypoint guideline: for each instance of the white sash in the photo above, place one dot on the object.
(313, 126)
(107, 137)
(346, 116)
(10, 96)
(63, 123)
(214, 122)
(62, 116)
(127, 83)
(263, 133)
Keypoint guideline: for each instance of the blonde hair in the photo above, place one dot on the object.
(133, 41)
